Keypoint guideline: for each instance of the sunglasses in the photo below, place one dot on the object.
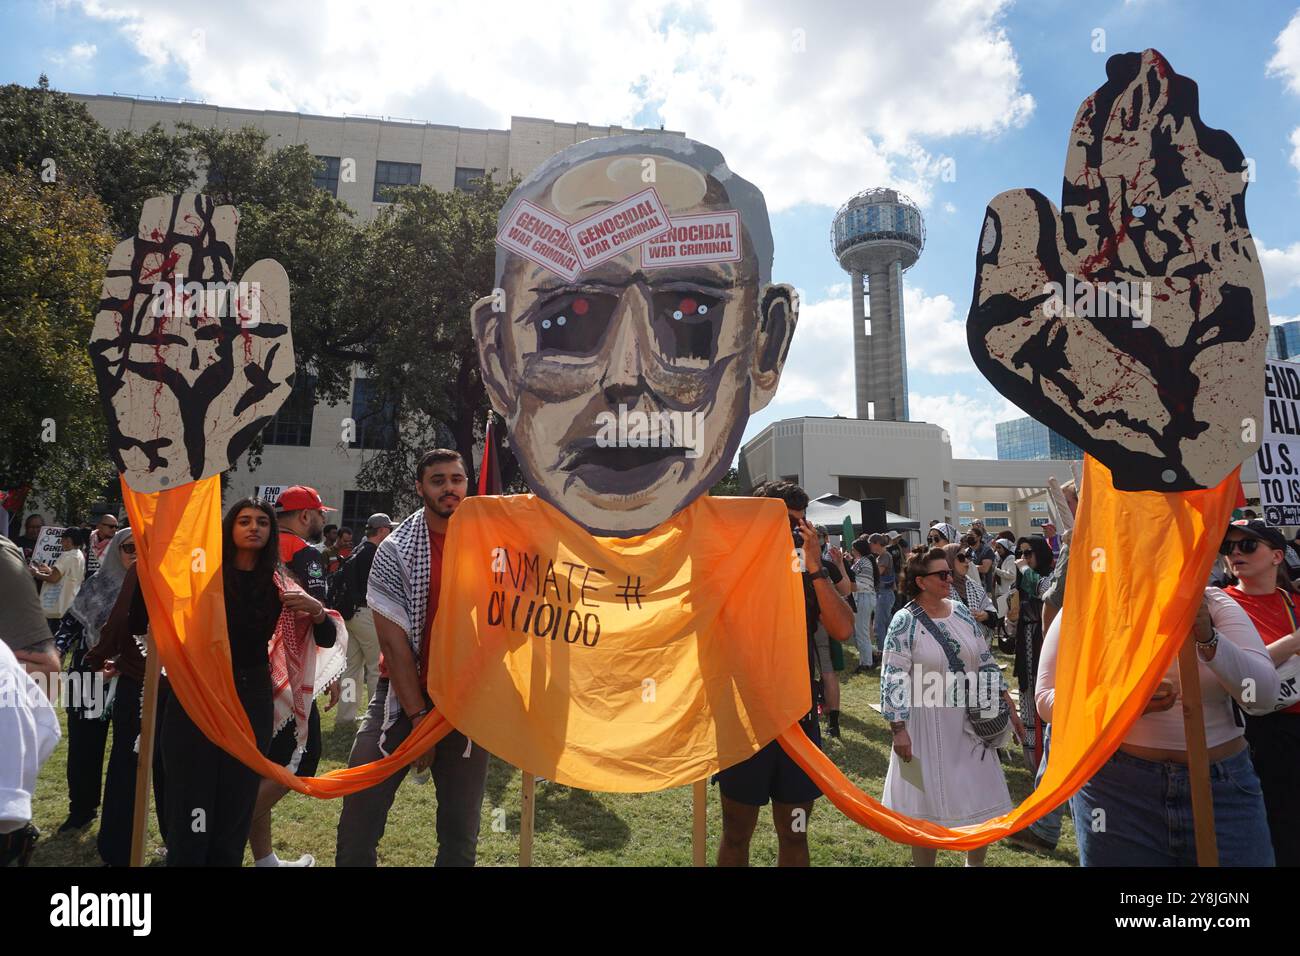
(1025, 554)
(1244, 545)
(964, 556)
(932, 539)
(943, 575)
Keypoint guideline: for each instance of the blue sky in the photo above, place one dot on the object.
(811, 104)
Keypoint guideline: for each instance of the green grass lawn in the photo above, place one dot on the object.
(574, 827)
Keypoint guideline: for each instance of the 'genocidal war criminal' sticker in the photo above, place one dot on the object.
(703, 237)
(619, 227)
(541, 237)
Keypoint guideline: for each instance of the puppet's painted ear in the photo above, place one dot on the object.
(778, 313)
(485, 321)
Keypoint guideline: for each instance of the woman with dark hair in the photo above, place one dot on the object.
(934, 652)
(1254, 551)
(966, 586)
(1034, 564)
(202, 779)
(940, 534)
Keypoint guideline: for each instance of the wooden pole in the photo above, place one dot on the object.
(700, 822)
(526, 807)
(144, 760)
(1198, 757)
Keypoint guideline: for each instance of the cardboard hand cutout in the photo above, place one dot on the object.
(1133, 321)
(634, 329)
(190, 365)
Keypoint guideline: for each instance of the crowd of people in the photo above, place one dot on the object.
(312, 616)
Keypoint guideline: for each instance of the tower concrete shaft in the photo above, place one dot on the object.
(881, 358)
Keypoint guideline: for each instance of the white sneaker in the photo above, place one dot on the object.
(305, 860)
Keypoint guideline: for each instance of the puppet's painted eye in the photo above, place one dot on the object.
(677, 315)
(702, 310)
(561, 320)
(546, 323)
(580, 306)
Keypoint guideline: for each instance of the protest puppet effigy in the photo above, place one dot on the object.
(621, 630)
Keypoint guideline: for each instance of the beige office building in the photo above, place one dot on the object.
(309, 442)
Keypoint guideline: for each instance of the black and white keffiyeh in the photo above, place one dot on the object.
(398, 588)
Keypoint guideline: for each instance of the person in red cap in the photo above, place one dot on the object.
(300, 515)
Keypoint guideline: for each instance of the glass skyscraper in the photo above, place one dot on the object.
(1025, 439)
(1284, 341)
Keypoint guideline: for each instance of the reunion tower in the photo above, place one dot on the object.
(879, 234)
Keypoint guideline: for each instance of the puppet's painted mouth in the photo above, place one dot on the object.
(622, 469)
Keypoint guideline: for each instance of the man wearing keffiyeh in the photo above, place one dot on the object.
(403, 595)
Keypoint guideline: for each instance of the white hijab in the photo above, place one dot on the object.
(95, 600)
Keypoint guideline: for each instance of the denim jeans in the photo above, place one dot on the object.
(1048, 826)
(1137, 812)
(884, 611)
(866, 603)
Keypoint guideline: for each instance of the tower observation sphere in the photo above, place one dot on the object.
(878, 235)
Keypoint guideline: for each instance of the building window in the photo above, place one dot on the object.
(1039, 522)
(947, 505)
(376, 422)
(965, 522)
(965, 506)
(946, 488)
(1038, 506)
(291, 425)
(360, 505)
(327, 175)
(997, 523)
(465, 179)
(996, 506)
(389, 176)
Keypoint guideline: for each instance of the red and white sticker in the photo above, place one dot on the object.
(620, 227)
(541, 237)
(700, 237)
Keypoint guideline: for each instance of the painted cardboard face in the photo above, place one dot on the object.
(626, 386)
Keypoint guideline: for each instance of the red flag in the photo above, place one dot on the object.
(489, 469)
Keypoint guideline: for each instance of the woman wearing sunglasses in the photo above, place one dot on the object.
(966, 585)
(1254, 551)
(927, 640)
(1137, 809)
(940, 534)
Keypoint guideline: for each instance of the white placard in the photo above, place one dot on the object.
(269, 493)
(620, 227)
(1278, 458)
(541, 237)
(702, 237)
(49, 545)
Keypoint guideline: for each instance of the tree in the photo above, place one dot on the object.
(428, 258)
(54, 240)
(728, 484)
(54, 137)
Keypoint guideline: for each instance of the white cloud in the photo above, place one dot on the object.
(810, 102)
(1286, 61)
(1279, 319)
(1281, 268)
(79, 54)
(949, 208)
(1295, 151)
(971, 421)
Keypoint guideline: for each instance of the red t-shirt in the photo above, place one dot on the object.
(1268, 613)
(436, 542)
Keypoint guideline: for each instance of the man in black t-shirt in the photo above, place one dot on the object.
(771, 774)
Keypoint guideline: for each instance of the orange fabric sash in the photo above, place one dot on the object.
(178, 540)
(620, 664)
(1138, 566)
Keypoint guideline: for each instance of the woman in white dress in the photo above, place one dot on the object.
(961, 776)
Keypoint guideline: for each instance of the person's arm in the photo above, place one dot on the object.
(1045, 682)
(1006, 570)
(844, 586)
(323, 632)
(986, 563)
(1280, 650)
(835, 614)
(895, 682)
(1239, 659)
(403, 669)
